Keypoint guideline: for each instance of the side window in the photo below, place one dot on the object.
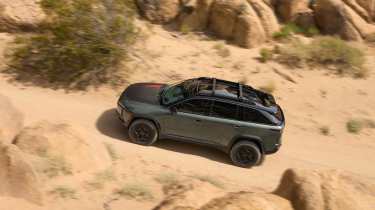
(195, 106)
(251, 115)
(225, 110)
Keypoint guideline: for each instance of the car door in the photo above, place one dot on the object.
(220, 127)
(186, 121)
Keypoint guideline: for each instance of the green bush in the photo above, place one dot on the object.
(81, 43)
(354, 126)
(291, 28)
(265, 55)
(326, 51)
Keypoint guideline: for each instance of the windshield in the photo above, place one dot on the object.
(174, 93)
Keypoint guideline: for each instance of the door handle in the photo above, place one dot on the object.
(237, 126)
(198, 120)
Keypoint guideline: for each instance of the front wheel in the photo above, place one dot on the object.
(143, 132)
(245, 154)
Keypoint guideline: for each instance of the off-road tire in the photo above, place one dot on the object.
(246, 154)
(143, 132)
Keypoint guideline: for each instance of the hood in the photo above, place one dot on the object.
(143, 92)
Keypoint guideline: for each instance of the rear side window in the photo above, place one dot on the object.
(224, 110)
(195, 106)
(252, 115)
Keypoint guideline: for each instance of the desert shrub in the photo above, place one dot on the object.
(332, 50)
(101, 178)
(185, 29)
(221, 50)
(57, 165)
(167, 179)
(212, 180)
(135, 191)
(64, 192)
(354, 126)
(325, 51)
(291, 28)
(81, 43)
(265, 55)
(324, 130)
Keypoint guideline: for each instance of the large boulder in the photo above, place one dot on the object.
(189, 195)
(17, 177)
(63, 145)
(11, 120)
(248, 201)
(369, 6)
(288, 10)
(194, 14)
(247, 23)
(159, 11)
(20, 15)
(336, 17)
(326, 190)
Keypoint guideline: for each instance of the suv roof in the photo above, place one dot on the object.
(218, 88)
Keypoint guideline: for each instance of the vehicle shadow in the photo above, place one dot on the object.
(108, 124)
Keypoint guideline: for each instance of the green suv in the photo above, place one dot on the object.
(243, 122)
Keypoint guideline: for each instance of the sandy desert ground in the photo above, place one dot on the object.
(316, 99)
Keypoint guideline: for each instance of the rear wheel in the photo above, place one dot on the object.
(245, 154)
(143, 132)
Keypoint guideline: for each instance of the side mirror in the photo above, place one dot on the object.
(173, 109)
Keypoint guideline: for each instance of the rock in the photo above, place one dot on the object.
(335, 17)
(17, 177)
(326, 190)
(248, 201)
(64, 146)
(247, 23)
(288, 10)
(11, 120)
(369, 6)
(194, 14)
(159, 11)
(189, 196)
(20, 15)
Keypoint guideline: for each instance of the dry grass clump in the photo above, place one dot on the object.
(101, 178)
(354, 126)
(325, 51)
(135, 191)
(221, 50)
(64, 192)
(270, 87)
(212, 180)
(167, 179)
(57, 166)
(325, 130)
(82, 43)
(265, 55)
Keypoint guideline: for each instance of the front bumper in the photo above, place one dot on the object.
(123, 114)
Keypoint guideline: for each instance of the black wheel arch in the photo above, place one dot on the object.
(156, 123)
(256, 140)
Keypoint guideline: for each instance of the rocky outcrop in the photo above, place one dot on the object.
(65, 144)
(11, 120)
(369, 6)
(190, 195)
(248, 201)
(326, 190)
(20, 15)
(194, 14)
(247, 23)
(17, 177)
(288, 10)
(336, 17)
(159, 11)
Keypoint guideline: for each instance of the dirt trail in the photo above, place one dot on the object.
(94, 111)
